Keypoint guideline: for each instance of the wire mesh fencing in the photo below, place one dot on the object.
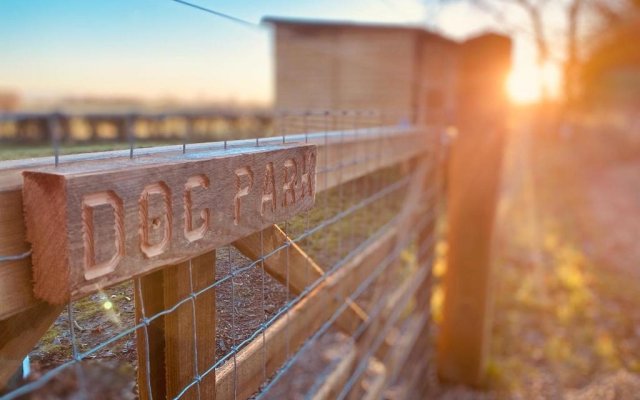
(331, 303)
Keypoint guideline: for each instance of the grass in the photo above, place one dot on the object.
(19, 151)
(561, 316)
(345, 234)
(563, 319)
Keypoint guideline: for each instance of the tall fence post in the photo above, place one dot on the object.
(473, 185)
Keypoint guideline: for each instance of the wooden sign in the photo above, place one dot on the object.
(102, 223)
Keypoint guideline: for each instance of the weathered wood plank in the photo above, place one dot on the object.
(16, 277)
(92, 227)
(473, 190)
(338, 376)
(312, 311)
(307, 316)
(319, 372)
(149, 293)
(171, 338)
(343, 159)
(384, 322)
(204, 272)
(20, 333)
(396, 358)
(16, 286)
(374, 328)
(474, 179)
(302, 269)
(181, 345)
(385, 145)
(374, 380)
(411, 368)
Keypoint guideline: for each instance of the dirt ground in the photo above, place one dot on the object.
(566, 271)
(613, 197)
(567, 317)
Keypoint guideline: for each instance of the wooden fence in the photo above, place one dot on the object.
(285, 267)
(199, 124)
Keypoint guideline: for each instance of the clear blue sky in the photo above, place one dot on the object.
(159, 48)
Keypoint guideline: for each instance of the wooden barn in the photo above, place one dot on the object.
(397, 70)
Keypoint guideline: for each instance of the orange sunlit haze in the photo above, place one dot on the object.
(280, 199)
(527, 84)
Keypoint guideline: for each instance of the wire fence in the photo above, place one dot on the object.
(331, 303)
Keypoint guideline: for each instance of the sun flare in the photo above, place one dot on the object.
(526, 84)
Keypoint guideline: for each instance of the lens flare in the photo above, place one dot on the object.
(526, 84)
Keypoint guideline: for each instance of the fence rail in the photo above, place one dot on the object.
(329, 303)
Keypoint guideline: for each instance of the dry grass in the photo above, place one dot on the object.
(566, 304)
(564, 317)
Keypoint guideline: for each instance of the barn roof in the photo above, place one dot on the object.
(343, 24)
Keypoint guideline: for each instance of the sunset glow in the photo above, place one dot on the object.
(526, 84)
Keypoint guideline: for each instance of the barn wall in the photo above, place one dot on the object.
(346, 69)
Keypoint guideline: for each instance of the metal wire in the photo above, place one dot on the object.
(346, 222)
(360, 289)
(219, 14)
(16, 257)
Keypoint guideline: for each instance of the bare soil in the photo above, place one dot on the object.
(613, 200)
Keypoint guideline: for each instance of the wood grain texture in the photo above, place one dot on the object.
(307, 316)
(383, 324)
(25, 300)
(374, 380)
(309, 76)
(172, 342)
(319, 372)
(96, 226)
(398, 143)
(397, 357)
(474, 179)
(302, 269)
(473, 192)
(343, 159)
(20, 333)
(184, 337)
(149, 297)
(16, 286)
(338, 377)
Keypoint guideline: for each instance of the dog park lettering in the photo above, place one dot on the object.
(110, 222)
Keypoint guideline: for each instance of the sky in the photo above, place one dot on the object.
(160, 49)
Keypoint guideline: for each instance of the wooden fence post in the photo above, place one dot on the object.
(473, 184)
(186, 338)
(172, 342)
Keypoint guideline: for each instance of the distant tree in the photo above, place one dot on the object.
(9, 101)
(574, 9)
(610, 72)
(570, 33)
